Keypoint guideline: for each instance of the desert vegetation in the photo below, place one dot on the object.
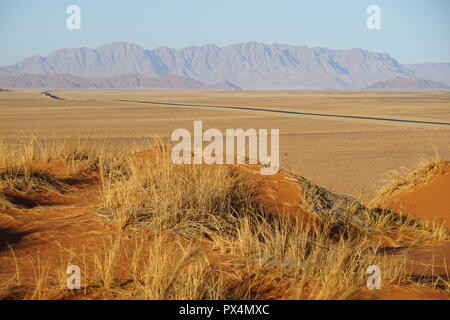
(140, 227)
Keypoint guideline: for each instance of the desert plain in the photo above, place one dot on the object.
(346, 155)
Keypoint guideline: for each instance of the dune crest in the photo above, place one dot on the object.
(428, 199)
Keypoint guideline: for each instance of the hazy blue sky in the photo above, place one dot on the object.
(412, 31)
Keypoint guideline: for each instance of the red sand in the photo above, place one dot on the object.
(408, 292)
(280, 194)
(427, 201)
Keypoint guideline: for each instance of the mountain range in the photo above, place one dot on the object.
(123, 81)
(248, 65)
(412, 83)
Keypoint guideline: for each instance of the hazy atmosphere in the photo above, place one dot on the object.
(412, 31)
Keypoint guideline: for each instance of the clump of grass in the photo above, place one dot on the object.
(171, 197)
(319, 267)
(350, 218)
(15, 153)
(17, 170)
(151, 267)
(175, 273)
(405, 179)
(23, 162)
(41, 276)
(389, 221)
(105, 263)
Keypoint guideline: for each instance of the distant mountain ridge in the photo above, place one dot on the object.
(412, 83)
(439, 72)
(248, 65)
(125, 81)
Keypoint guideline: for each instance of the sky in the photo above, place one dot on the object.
(412, 31)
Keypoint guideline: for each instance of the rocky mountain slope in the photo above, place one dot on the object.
(249, 65)
(126, 81)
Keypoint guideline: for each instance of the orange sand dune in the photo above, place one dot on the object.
(426, 201)
(280, 194)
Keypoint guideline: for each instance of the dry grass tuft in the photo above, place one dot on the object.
(404, 179)
(169, 197)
